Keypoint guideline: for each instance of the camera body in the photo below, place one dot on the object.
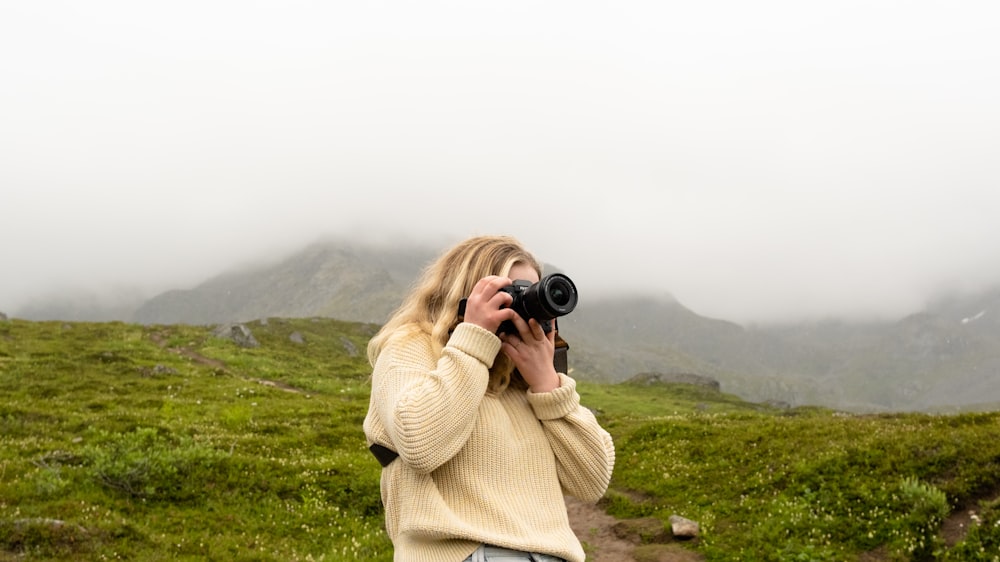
(551, 297)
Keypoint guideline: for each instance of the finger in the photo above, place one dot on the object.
(536, 329)
(496, 283)
(489, 285)
(509, 345)
(522, 327)
(502, 299)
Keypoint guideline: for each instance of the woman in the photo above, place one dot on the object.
(488, 435)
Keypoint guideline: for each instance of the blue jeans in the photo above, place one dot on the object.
(487, 553)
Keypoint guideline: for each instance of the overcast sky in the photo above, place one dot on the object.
(757, 160)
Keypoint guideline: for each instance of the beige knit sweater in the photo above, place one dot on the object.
(475, 467)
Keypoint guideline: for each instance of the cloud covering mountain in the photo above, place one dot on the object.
(762, 162)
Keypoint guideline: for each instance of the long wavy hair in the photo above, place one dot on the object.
(431, 307)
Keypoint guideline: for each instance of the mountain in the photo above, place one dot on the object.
(648, 334)
(945, 357)
(340, 280)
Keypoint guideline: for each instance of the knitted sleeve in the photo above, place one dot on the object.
(585, 452)
(429, 406)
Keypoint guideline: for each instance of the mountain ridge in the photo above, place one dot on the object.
(944, 357)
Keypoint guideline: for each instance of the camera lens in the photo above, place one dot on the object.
(559, 294)
(553, 296)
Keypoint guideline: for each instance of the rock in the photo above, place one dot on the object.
(644, 530)
(349, 346)
(3, 317)
(238, 333)
(157, 370)
(683, 528)
(297, 338)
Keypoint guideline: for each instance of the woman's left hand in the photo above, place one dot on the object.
(532, 351)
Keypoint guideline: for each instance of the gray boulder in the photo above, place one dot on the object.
(684, 528)
(237, 333)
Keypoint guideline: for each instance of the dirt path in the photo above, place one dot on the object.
(595, 529)
(607, 539)
(956, 526)
(193, 355)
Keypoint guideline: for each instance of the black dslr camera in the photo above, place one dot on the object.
(553, 296)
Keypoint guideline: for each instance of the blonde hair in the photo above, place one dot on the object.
(431, 307)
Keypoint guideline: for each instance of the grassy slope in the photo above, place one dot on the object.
(122, 441)
(803, 484)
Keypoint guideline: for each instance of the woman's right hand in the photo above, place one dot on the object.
(487, 306)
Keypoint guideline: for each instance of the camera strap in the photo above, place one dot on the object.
(561, 357)
(383, 454)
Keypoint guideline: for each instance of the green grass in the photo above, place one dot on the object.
(817, 485)
(121, 441)
(145, 453)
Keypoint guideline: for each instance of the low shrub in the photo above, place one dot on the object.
(150, 465)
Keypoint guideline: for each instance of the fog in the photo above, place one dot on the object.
(759, 161)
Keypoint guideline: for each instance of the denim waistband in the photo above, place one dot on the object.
(489, 553)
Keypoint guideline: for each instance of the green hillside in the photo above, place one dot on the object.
(944, 358)
(165, 442)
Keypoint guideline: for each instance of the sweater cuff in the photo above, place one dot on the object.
(475, 341)
(557, 403)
